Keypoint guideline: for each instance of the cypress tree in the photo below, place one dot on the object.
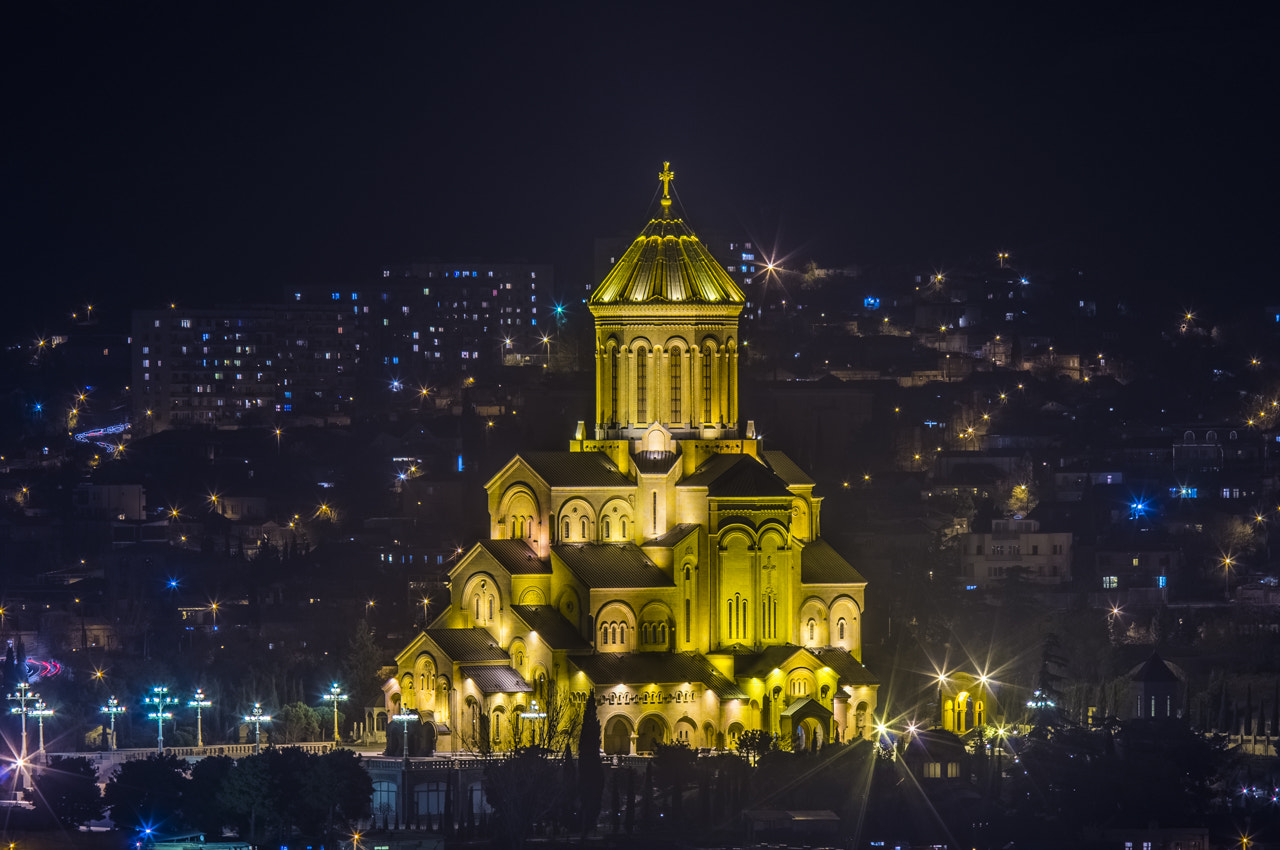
(590, 770)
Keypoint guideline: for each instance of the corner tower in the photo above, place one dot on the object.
(666, 321)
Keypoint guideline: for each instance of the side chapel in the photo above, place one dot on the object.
(666, 563)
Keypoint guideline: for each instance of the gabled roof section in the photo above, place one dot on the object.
(735, 476)
(516, 557)
(654, 463)
(576, 469)
(820, 564)
(496, 679)
(656, 668)
(467, 646)
(848, 668)
(1154, 669)
(611, 565)
(667, 264)
(787, 469)
(552, 628)
(674, 536)
(757, 665)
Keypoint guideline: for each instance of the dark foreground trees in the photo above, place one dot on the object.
(275, 794)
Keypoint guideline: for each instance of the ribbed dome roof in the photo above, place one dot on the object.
(667, 263)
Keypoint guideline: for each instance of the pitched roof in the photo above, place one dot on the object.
(848, 668)
(675, 535)
(757, 665)
(552, 628)
(467, 645)
(576, 469)
(787, 469)
(820, 564)
(1154, 669)
(654, 463)
(733, 476)
(516, 557)
(710, 470)
(611, 565)
(656, 668)
(495, 679)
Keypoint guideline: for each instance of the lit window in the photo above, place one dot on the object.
(1110, 582)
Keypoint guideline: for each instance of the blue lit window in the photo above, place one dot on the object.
(288, 408)
(355, 296)
(395, 360)
(337, 296)
(1162, 581)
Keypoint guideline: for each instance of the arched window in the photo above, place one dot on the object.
(604, 633)
(584, 528)
(624, 528)
(811, 629)
(528, 527)
(605, 528)
(622, 633)
(566, 528)
(706, 385)
(490, 607)
(477, 600)
(613, 633)
(642, 385)
(840, 628)
(674, 366)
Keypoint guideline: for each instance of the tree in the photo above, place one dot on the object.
(590, 770)
(69, 787)
(524, 791)
(754, 743)
(297, 722)
(247, 793)
(147, 792)
(674, 766)
(341, 787)
(201, 803)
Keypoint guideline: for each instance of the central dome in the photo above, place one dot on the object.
(665, 264)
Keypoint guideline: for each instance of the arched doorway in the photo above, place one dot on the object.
(617, 736)
(652, 730)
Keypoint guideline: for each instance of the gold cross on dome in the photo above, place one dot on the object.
(666, 176)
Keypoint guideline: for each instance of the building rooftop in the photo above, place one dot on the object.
(657, 668)
(576, 469)
(551, 626)
(467, 645)
(611, 565)
(516, 557)
(821, 564)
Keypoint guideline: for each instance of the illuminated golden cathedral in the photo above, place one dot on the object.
(666, 564)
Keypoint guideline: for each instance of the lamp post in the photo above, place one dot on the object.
(198, 702)
(257, 718)
(942, 716)
(534, 714)
(406, 718)
(162, 702)
(334, 697)
(40, 712)
(111, 709)
(1227, 563)
(22, 696)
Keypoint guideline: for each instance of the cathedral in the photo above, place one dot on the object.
(667, 565)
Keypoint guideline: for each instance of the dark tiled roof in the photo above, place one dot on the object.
(820, 564)
(746, 479)
(787, 469)
(654, 463)
(611, 565)
(710, 470)
(516, 557)
(551, 626)
(493, 679)
(576, 469)
(848, 668)
(674, 536)
(656, 668)
(1154, 670)
(757, 665)
(467, 645)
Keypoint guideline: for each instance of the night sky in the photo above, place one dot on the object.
(204, 151)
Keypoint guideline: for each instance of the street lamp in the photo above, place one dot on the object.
(334, 697)
(406, 718)
(163, 702)
(22, 696)
(198, 702)
(942, 719)
(257, 718)
(1227, 563)
(40, 712)
(111, 709)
